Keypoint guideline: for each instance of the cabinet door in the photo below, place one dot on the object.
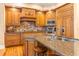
(28, 48)
(69, 27)
(59, 21)
(50, 15)
(16, 16)
(64, 17)
(40, 21)
(68, 23)
(9, 16)
(12, 16)
(31, 48)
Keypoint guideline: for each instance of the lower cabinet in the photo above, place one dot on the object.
(12, 39)
(28, 48)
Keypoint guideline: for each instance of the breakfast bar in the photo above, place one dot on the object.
(65, 48)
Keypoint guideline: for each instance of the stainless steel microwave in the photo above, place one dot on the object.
(50, 22)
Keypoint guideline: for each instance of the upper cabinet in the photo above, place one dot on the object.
(40, 19)
(29, 13)
(43, 17)
(64, 20)
(50, 15)
(12, 16)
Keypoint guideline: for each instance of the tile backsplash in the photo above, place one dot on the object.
(26, 26)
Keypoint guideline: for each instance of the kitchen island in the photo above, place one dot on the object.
(64, 48)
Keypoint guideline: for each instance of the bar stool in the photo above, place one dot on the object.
(40, 50)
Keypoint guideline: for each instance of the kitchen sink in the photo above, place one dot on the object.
(68, 39)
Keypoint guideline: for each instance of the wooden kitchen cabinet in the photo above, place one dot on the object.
(59, 25)
(40, 19)
(12, 16)
(16, 17)
(69, 27)
(28, 48)
(68, 16)
(12, 39)
(8, 14)
(50, 15)
(64, 18)
(28, 43)
(29, 13)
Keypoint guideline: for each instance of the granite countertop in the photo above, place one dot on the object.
(65, 48)
(25, 32)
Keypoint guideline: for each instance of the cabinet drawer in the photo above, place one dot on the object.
(12, 16)
(12, 39)
(11, 43)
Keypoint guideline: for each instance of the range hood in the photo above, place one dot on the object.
(22, 19)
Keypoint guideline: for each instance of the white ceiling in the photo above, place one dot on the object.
(44, 4)
(39, 6)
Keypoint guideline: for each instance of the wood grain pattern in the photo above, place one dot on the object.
(64, 18)
(40, 19)
(14, 51)
(11, 40)
(12, 16)
(50, 15)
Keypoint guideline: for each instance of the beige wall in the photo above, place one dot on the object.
(2, 25)
(76, 28)
(76, 20)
